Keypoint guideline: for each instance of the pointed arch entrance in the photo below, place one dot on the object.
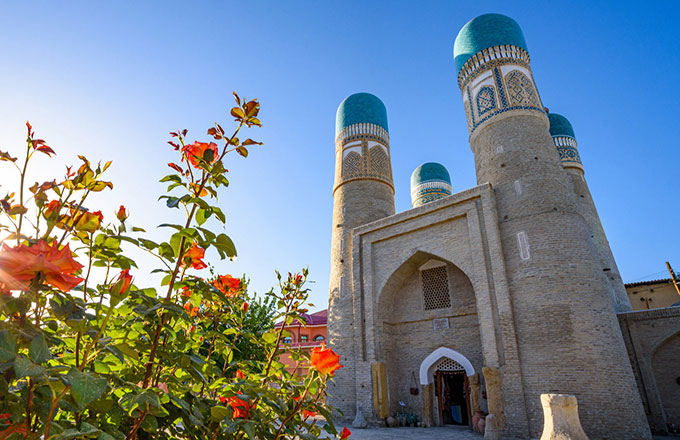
(446, 394)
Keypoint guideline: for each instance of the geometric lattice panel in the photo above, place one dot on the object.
(520, 89)
(380, 163)
(436, 288)
(447, 364)
(351, 164)
(486, 100)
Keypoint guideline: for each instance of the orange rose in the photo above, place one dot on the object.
(122, 213)
(122, 284)
(186, 292)
(196, 151)
(325, 360)
(21, 264)
(227, 285)
(240, 407)
(194, 257)
(345, 433)
(191, 310)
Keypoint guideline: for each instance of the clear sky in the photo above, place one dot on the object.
(111, 79)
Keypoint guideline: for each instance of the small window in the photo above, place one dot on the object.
(436, 288)
(319, 338)
(287, 340)
(303, 338)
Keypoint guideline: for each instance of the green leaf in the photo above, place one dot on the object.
(8, 346)
(39, 351)
(269, 337)
(219, 412)
(25, 368)
(127, 350)
(249, 428)
(85, 387)
(171, 177)
(224, 245)
(105, 436)
(150, 424)
(202, 215)
(172, 202)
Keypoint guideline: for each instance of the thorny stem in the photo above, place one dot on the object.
(53, 407)
(171, 284)
(21, 186)
(295, 410)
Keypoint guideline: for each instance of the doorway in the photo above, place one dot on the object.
(452, 391)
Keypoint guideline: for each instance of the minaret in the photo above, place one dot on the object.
(567, 332)
(363, 192)
(563, 135)
(429, 182)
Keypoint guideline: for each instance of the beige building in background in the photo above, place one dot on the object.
(653, 294)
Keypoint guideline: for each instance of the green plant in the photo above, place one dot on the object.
(85, 352)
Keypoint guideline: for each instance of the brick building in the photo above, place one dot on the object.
(508, 287)
(303, 337)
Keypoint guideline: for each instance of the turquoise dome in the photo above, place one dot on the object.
(429, 182)
(360, 108)
(486, 31)
(560, 126)
(429, 171)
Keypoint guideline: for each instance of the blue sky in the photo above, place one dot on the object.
(110, 80)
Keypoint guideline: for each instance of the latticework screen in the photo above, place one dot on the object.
(436, 288)
(447, 364)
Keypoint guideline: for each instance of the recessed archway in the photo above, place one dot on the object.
(438, 354)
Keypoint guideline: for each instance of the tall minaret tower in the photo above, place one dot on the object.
(563, 135)
(567, 332)
(363, 192)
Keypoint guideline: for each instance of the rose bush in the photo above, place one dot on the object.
(87, 351)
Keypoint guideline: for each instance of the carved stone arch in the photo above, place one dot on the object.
(485, 100)
(379, 162)
(425, 375)
(351, 164)
(520, 89)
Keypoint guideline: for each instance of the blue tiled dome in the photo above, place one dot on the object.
(361, 108)
(486, 31)
(429, 182)
(430, 171)
(560, 126)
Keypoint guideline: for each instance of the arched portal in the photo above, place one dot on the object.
(436, 356)
(446, 395)
(427, 314)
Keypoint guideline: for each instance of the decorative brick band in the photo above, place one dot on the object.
(350, 132)
(491, 57)
(567, 148)
(430, 191)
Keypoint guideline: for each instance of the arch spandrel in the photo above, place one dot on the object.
(403, 268)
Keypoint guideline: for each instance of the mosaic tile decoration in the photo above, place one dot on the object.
(515, 90)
